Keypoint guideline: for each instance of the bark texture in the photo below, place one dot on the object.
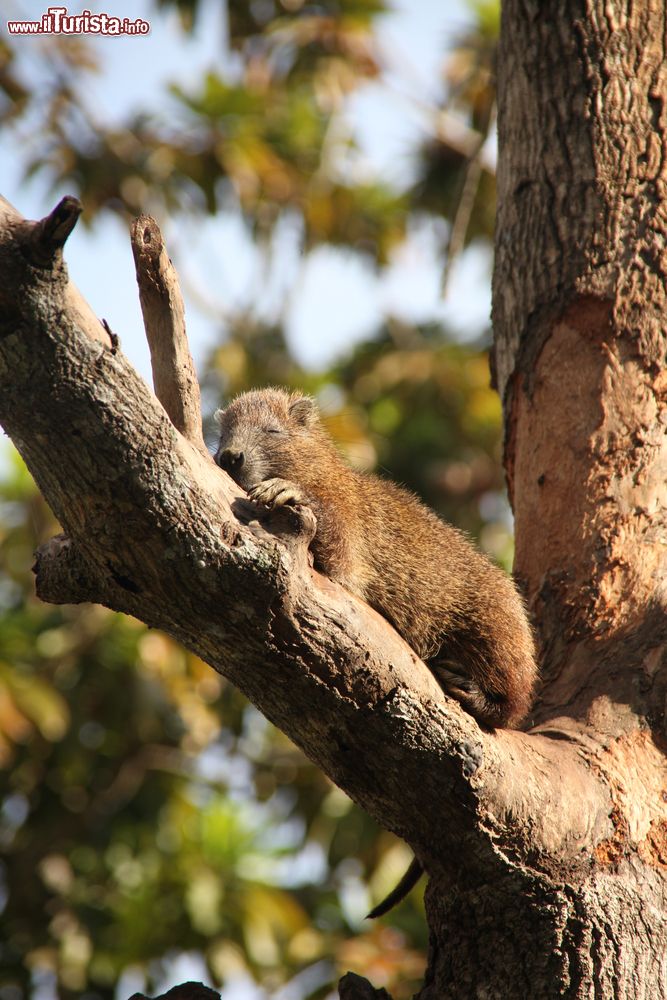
(581, 343)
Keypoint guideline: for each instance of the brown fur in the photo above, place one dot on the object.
(457, 610)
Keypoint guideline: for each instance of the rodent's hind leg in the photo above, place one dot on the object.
(465, 690)
(277, 493)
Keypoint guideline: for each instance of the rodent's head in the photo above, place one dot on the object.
(259, 434)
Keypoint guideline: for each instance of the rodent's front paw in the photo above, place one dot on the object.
(276, 493)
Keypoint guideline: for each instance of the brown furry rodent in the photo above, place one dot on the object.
(457, 610)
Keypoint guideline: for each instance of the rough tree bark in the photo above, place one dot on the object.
(580, 325)
(546, 851)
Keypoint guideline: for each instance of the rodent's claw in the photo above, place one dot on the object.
(276, 493)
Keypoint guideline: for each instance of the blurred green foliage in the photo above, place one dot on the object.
(146, 810)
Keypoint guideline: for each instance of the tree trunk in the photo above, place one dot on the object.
(546, 851)
(579, 322)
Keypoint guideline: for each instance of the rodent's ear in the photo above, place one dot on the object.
(217, 416)
(304, 411)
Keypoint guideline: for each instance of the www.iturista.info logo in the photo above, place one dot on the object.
(56, 21)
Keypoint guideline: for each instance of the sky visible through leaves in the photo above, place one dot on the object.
(336, 299)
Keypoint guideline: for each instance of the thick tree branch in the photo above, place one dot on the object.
(62, 574)
(155, 529)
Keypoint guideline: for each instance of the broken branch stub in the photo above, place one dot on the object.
(44, 239)
(174, 377)
(39, 245)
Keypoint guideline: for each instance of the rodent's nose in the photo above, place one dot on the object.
(230, 459)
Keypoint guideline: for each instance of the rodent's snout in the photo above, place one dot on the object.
(231, 460)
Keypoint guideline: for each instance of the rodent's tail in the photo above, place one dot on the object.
(409, 880)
